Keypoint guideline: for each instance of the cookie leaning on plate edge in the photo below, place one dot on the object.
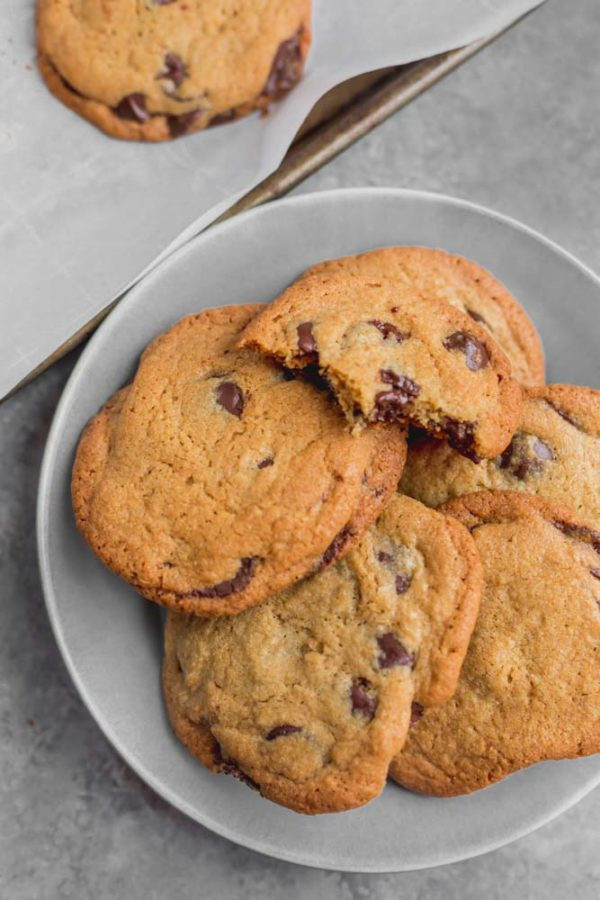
(213, 479)
(463, 284)
(309, 695)
(158, 70)
(529, 689)
(391, 355)
(555, 455)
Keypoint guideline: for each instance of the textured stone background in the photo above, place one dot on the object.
(517, 128)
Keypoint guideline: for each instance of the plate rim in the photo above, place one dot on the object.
(43, 495)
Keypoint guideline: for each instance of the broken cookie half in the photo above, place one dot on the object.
(392, 355)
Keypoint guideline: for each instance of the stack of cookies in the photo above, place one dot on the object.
(375, 529)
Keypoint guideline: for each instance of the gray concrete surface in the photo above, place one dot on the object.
(517, 128)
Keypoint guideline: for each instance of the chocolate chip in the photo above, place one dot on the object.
(595, 573)
(233, 585)
(460, 436)
(565, 415)
(475, 353)
(175, 70)
(306, 342)
(362, 698)
(384, 557)
(281, 730)
(387, 330)
(231, 398)
(525, 455)
(476, 316)
(268, 461)
(579, 533)
(416, 712)
(133, 107)
(393, 652)
(179, 125)
(163, 2)
(232, 768)
(402, 583)
(336, 547)
(286, 68)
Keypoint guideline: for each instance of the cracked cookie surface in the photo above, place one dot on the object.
(153, 70)
(393, 355)
(463, 284)
(213, 479)
(554, 454)
(529, 689)
(309, 695)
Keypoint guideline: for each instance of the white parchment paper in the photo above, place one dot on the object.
(82, 215)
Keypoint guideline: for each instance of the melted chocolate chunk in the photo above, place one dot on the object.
(306, 342)
(389, 330)
(388, 376)
(390, 405)
(402, 583)
(362, 698)
(461, 437)
(475, 353)
(416, 713)
(384, 557)
(595, 573)
(231, 398)
(133, 107)
(281, 730)
(163, 2)
(179, 125)
(525, 456)
(336, 547)
(286, 68)
(477, 317)
(174, 69)
(393, 652)
(264, 463)
(233, 585)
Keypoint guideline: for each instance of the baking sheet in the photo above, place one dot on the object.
(82, 216)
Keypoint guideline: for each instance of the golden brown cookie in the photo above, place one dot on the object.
(309, 695)
(394, 355)
(555, 454)
(214, 479)
(152, 70)
(463, 284)
(529, 689)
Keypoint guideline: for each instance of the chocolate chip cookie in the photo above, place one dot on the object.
(214, 479)
(555, 454)
(391, 355)
(158, 69)
(308, 696)
(463, 284)
(529, 689)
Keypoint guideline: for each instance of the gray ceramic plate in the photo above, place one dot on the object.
(111, 639)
